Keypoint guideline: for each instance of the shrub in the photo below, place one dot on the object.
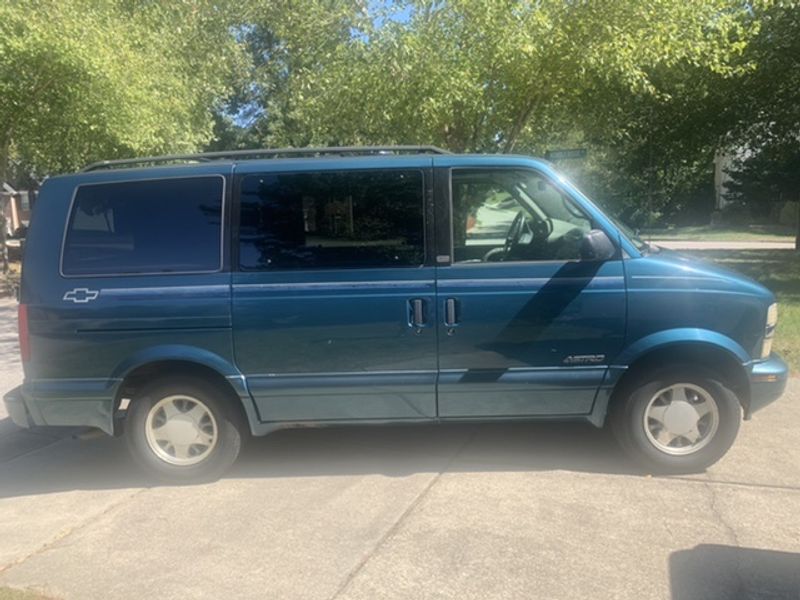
(788, 213)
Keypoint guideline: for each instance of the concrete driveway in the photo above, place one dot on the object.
(524, 511)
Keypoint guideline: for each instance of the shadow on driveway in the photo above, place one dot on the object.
(731, 573)
(391, 451)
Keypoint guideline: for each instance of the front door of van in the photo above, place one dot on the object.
(333, 302)
(526, 328)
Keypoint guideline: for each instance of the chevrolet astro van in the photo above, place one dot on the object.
(186, 302)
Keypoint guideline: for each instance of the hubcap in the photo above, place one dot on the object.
(681, 419)
(181, 430)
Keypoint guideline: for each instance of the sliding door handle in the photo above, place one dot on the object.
(416, 309)
(450, 312)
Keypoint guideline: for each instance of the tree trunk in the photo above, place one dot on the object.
(519, 125)
(3, 248)
(4, 155)
(4, 152)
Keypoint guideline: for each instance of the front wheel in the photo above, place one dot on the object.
(183, 430)
(676, 421)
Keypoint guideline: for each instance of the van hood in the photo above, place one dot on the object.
(705, 274)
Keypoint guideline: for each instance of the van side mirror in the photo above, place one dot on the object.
(597, 246)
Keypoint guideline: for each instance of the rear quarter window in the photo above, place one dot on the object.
(145, 227)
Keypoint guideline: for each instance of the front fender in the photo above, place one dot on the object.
(661, 341)
(670, 337)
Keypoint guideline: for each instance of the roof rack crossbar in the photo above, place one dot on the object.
(265, 153)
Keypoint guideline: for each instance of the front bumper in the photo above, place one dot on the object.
(767, 382)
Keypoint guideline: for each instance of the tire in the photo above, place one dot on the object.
(674, 398)
(202, 440)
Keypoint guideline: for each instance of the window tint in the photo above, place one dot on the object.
(509, 215)
(159, 226)
(331, 220)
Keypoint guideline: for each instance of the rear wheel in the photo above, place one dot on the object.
(182, 429)
(678, 420)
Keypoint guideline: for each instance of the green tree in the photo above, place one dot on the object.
(287, 42)
(766, 107)
(669, 140)
(82, 80)
(505, 75)
(764, 112)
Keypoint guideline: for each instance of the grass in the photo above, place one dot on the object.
(745, 233)
(779, 270)
(7, 593)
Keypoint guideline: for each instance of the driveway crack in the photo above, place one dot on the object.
(62, 535)
(731, 532)
(390, 533)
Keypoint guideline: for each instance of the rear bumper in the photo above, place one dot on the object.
(767, 382)
(15, 406)
(48, 405)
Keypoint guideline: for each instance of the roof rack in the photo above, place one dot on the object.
(266, 153)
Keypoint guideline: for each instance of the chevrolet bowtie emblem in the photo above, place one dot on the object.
(81, 295)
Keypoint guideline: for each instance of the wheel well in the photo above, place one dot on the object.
(149, 372)
(722, 365)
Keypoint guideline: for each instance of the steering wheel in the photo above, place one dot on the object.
(513, 236)
(539, 231)
(514, 233)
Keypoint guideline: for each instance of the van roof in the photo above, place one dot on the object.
(266, 153)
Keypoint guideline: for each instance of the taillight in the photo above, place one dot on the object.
(24, 334)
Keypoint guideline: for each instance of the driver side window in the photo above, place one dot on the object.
(513, 215)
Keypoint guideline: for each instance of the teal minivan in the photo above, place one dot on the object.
(186, 302)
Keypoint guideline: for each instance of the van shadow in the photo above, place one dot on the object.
(545, 308)
(730, 573)
(392, 451)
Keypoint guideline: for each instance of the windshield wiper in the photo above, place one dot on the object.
(649, 248)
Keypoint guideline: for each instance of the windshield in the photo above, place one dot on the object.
(624, 229)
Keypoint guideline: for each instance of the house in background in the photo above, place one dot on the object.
(16, 209)
(724, 161)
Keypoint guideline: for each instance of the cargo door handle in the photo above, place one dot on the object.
(450, 313)
(416, 308)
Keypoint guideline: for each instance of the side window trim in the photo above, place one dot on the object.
(71, 208)
(235, 218)
(429, 218)
(443, 211)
